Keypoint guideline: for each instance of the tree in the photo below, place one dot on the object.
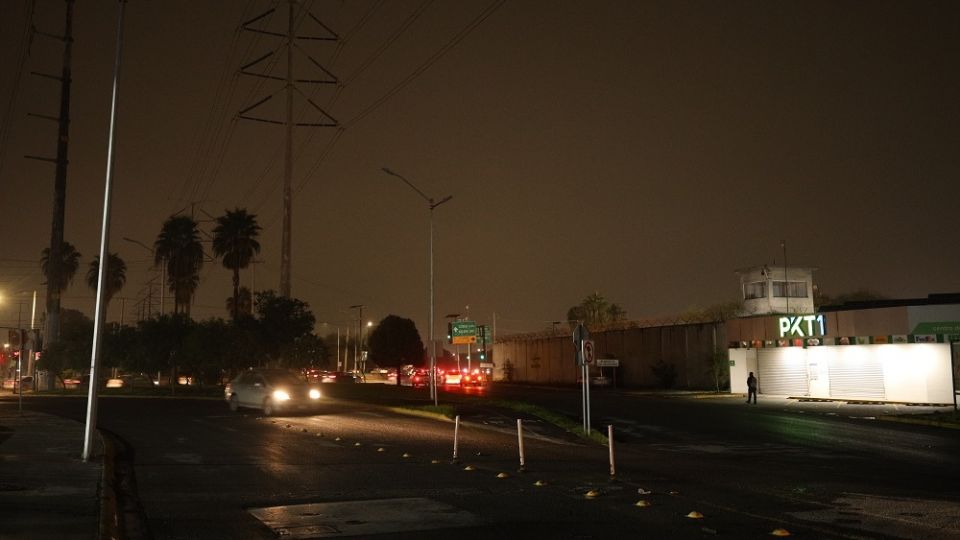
(116, 275)
(242, 302)
(159, 343)
(715, 313)
(395, 342)
(72, 351)
(69, 263)
(235, 242)
(282, 321)
(178, 248)
(308, 351)
(595, 310)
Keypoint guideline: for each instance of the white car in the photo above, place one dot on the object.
(274, 391)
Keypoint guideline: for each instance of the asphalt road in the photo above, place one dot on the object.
(202, 472)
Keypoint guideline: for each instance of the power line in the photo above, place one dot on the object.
(23, 51)
(484, 15)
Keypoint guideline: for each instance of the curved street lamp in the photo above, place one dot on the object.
(431, 205)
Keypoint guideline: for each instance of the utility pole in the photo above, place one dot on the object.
(290, 86)
(55, 256)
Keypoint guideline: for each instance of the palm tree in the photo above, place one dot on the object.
(178, 248)
(69, 263)
(235, 241)
(116, 276)
(243, 302)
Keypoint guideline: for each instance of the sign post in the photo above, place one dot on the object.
(584, 353)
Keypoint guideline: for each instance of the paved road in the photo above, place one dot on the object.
(205, 473)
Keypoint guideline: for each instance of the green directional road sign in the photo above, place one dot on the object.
(463, 332)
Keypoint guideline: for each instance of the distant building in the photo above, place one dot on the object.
(905, 351)
(769, 289)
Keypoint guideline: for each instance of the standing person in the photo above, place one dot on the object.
(752, 388)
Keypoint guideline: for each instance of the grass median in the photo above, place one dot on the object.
(559, 420)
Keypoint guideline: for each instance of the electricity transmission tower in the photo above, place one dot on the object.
(55, 257)
(290, 87)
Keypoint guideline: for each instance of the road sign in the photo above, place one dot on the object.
(588, 351)
(463, 332)
(580, 333)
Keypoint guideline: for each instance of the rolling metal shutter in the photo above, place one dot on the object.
(781, 373)
(856, 377)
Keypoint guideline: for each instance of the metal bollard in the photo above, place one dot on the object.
(456, 436)
(613, 467)
(520, 442)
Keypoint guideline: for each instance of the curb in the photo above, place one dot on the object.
(919, 421)
(109, 517)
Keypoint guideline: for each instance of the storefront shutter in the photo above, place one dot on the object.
(782, 372)
(857, 377)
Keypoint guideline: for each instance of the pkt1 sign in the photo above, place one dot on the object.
(803, 326)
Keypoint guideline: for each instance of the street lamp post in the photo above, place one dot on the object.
(431, 204)
(357, 345)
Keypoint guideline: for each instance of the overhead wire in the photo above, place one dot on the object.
(206, 132)
(422, 68)
(23, 51)
(366, 63)
(484, 15)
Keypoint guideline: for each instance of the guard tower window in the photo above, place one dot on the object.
(757, 289)
(791, 289)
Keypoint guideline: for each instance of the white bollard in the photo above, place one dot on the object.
(520, 441)
(613, 467)
(456, 436)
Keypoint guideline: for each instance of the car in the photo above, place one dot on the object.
(137, 380)
(13, 384)
(474, 378)
(273, 391)
(338, 377)
(416, 378)
(450, 376)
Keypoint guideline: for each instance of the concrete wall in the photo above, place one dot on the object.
(546, 359)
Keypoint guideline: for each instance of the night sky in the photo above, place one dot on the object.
(644, 150)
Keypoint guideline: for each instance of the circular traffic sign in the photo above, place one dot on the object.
(588, 351)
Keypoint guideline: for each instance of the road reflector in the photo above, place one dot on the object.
(592, 494)
(642, 491)
(672, 492)
(695, 515)
(337, 439)
(380, 449)
(539, 483)
(356, 443)
(642, 503)
(503, 475)
(468, 468)
(406, 455)
(435, 461)
(780, 532)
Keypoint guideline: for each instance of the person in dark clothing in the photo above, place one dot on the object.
(752, 388)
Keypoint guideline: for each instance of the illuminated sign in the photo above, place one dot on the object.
(803, 326)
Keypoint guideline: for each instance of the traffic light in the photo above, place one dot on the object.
(13, 338)
(449, 332)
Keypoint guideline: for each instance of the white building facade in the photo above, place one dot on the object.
(905, 351)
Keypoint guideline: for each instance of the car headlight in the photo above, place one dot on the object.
(280, 395)
(314, 393)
